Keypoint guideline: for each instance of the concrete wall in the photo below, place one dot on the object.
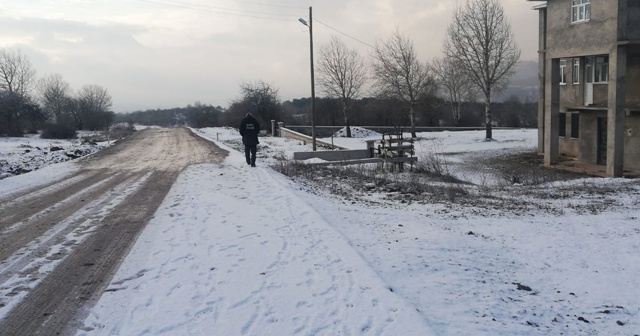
(337, 155)
(569, 146)
(633, 76)
(566, 39)
(572, 94)
(343, 154)
(632, 142)
(600, 36)
(633, 17)
(600, 94)
(589, 135)
(287, 133)
(588, 144)
(542, 54)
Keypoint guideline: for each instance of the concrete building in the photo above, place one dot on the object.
(589, 79)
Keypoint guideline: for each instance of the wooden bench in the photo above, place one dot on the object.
(394, 149)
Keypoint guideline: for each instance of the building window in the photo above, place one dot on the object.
(601, 71)
(576, 71)
(580, 10)
(575, 125)
(562, 124)
(563, 71)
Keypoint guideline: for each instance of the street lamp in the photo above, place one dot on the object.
(313, 89)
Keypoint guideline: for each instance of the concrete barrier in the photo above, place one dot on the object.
(336, 155)
(341, 154)
(287, 133)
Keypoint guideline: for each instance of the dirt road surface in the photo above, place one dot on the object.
(61, 243)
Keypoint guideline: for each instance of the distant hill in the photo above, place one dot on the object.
(524, 83)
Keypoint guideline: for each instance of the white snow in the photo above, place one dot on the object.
(235, 250)
(357, 132)
(242, 254)
(21, 155)
(39, 264)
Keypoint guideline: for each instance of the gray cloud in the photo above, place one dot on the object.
(154, 56)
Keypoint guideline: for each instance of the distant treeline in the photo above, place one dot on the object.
(365, 111)
(29, 104)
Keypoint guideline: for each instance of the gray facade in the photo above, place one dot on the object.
(589, 77)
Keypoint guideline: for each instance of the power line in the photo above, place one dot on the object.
(345, 34)
(246, 13)
(220, 10)
(226, 9)
(269, 5)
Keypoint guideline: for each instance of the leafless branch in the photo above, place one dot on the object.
(54, 94)
(480, 40)
(399, 74)
(16, 72)
(454, 85)
(342, 74)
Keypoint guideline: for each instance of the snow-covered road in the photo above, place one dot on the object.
(232, 251)
(236, 250)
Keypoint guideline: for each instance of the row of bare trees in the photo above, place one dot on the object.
(258, 98)
(88, 108)
(480, 54)
(479, 58)
(16, 81)
(27, 103)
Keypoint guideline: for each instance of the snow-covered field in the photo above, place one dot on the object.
(236, 250)
(23, 155)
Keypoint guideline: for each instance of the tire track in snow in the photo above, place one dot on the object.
(63, 297)
(253, 259)
(30, 206)
(65, 203)
(28, 266)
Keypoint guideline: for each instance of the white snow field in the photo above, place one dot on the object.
(235, 250)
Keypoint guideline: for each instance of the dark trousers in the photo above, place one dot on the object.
(250, 153)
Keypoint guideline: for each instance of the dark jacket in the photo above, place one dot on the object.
(249, 129)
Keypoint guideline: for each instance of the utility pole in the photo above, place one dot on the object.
(313, 87)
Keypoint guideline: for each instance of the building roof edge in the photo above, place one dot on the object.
(540, 6)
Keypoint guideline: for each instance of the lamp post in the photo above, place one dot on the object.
(313, 88)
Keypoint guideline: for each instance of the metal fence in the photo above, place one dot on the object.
(327, 131)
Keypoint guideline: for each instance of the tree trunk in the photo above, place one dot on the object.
(487, 113)
(346, 120)
(413, 123)
(14, 129)
(456, 114)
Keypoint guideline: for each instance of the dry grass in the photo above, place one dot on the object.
(526, 186)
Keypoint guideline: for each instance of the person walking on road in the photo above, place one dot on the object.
(249, 129)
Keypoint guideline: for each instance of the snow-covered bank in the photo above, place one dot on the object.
(466, 271)
(22, 155)
(233, 251)
(236, 250)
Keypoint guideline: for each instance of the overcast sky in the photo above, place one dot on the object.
(169, 53)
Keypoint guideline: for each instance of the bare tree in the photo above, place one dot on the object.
(16, 72)
(481, 41)
(341, 74)
(454, 85)
(92, 108)
(16, 80)
(400, 75)
(54, 95)
(261, 99)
